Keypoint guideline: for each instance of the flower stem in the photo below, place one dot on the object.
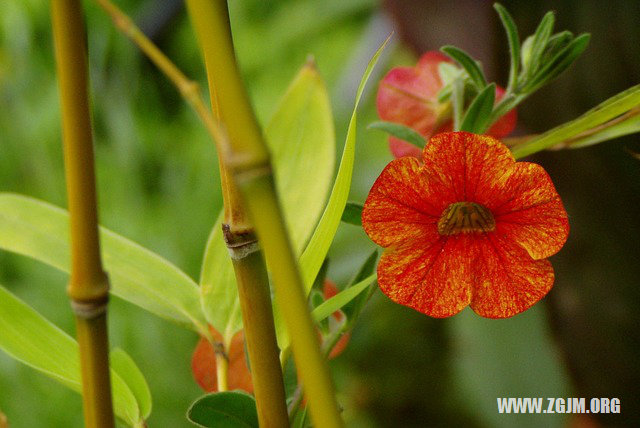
(248, 161)
(222, 368)
(88, 284)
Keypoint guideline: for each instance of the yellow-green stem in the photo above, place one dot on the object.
(251, 274)
(222, 368)
(88, 285)
(312, 368)
(259, 331)
(248, 161)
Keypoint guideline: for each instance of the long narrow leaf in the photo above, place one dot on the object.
(127, 369)
(539, 43)
(626, 127)
(559, 63)
(469, 64)
(341, 299)
(605, 111)
(302, 143)
(41, 231)
(400, 131)
(514, 44)
(478, 115)
(31, 339)
(318, 246)
(301, 138)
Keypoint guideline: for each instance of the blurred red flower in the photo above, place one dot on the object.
(468, 226)
(203, 361)
(203, 364)
(409, 96)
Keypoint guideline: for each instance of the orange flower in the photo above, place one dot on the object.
(203, 364)
(203, 361)
(469, 226)
(409, 96)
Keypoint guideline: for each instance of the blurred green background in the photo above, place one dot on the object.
(158, 185)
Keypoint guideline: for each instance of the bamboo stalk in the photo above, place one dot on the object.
(88, 285)
(254, 295)
(249, 267)
(248, 161)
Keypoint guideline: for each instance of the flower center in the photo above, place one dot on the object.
(465, 217)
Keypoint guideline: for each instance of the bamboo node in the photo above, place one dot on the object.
(240, 243)
(90, 309)
(248, 173)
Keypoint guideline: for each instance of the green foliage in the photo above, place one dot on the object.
(301, 138)
(352, 213)
(31, 339)
(540, 59)
(471, 66)
(352, 309)
(315, 253)
(333, 304)
(41, 231)
(218, 290)
(514, 43)
(476, 119)
(616, 116)
(400, 131)
(230, 409)
(127, 369)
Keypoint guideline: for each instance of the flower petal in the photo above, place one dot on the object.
(433, 279)
(400, 148)
(507, 280)
(528, 210)
(469, 165)
(430, 61)
(402, 206)
(408, 96)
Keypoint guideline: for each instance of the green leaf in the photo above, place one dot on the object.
(556, 43)
(230, 409)
(400, 131)
(457, 102)
(318, 283)
(619, 129)
(613, 107)
(218, 290)
(469, 64)
(514, 44)
(539, 43)
(301, 139)
(31, 339)
(318, 246)
(41, 231)
(478, 115)
(127, 369)
(448, 72)
(352, 310)
(559, 63)
(514, 357)
(342, 298)
(525, 56)
(300, 420)
(352, 213)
